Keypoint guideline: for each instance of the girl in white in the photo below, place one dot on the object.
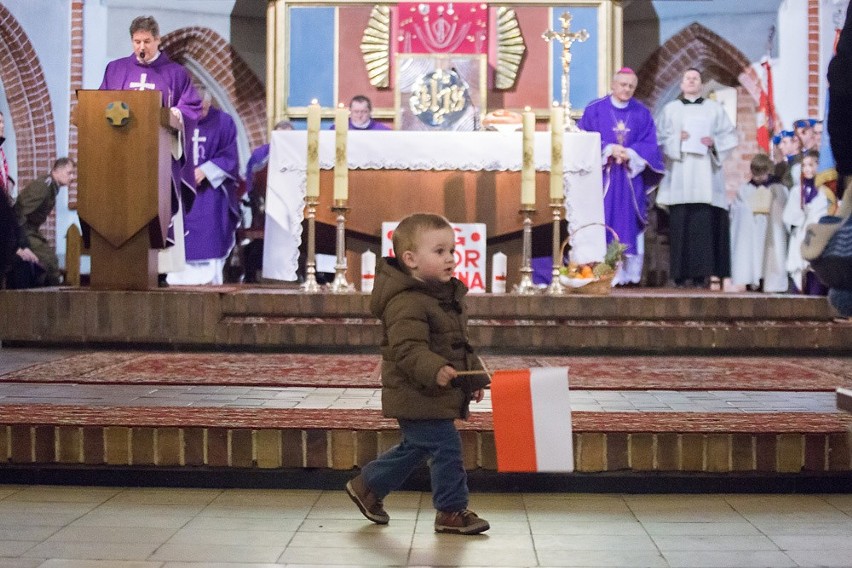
(807, 203)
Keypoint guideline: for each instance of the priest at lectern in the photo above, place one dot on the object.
(150, 69)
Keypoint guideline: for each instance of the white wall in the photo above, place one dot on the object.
(832, 14)
(790, 68)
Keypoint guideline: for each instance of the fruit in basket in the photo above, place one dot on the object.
(579, 271)
(602, 269)
(614, 253)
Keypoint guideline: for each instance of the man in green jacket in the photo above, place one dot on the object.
(33, 206)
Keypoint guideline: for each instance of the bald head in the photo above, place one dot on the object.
(624, 84)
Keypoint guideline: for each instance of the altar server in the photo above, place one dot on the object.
(696, 136)
(758, 234)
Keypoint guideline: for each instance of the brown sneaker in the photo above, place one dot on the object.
(370, 505)
(460, 522)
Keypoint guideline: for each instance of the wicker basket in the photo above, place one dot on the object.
(602, 286)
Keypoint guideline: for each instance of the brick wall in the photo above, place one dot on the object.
(29, 104)
(345, 449)
(228, 70)
(76, 82)
(813, 58)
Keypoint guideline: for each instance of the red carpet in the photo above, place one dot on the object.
(597, 373)
(262, 418)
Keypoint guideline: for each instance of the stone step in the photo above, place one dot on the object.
(195, 437)
(557, 335)
(651, 305)
(268, 318)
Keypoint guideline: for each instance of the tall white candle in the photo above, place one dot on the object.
(498, 273)
(341, 166)
(313, 172)
(368, 271)
(528, 164)
(557, 131)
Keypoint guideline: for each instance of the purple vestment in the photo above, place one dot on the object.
(258, 160)
(372, 125)
(625, 197)
(212, 222)
(172, 80)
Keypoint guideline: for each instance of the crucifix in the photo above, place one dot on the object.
(567, 38)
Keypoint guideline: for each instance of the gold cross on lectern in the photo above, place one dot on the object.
(567, 38)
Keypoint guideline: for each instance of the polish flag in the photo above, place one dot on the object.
(766, 117)
(532, 420)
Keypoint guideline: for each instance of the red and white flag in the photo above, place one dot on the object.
(766, 118)
(532, 420)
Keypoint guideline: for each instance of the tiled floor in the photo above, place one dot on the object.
(77, 527)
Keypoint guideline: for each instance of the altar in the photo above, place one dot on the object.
(466, 176)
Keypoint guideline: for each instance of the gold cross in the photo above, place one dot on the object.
(567, 38)
(621, 131)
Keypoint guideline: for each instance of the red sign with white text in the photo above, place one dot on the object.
(470, 252)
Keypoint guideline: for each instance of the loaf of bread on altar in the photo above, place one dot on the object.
(502, 120)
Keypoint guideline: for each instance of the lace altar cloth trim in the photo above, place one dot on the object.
(467, 151)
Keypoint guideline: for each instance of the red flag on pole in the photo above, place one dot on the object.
(766, 118)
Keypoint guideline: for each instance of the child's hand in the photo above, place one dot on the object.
(445, 375)
(477, 395)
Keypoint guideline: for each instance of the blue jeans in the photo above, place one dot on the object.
(437, 439)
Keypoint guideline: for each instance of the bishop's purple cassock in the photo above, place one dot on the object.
(212, 222)
(172, 80)
(626, 184)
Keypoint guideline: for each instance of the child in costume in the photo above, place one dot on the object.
(807, 203)
(758, 234)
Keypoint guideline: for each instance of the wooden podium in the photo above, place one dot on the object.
(124, 184)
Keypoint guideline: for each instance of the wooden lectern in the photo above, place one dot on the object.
(124, 184)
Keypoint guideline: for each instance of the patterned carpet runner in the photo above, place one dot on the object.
(344, 371)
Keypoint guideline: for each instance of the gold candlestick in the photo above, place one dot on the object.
(556, 288)
(310, 285)
(566, 38)
(340, 284)
(525, 286)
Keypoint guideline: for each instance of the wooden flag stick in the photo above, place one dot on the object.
(480, 372)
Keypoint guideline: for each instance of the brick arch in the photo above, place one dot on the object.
(230, 71)
(659, 81)
(694, 46)
(28, 99)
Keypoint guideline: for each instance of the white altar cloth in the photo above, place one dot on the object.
(407, 150)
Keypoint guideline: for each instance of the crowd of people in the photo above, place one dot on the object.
(207, 184)
(753, 239)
